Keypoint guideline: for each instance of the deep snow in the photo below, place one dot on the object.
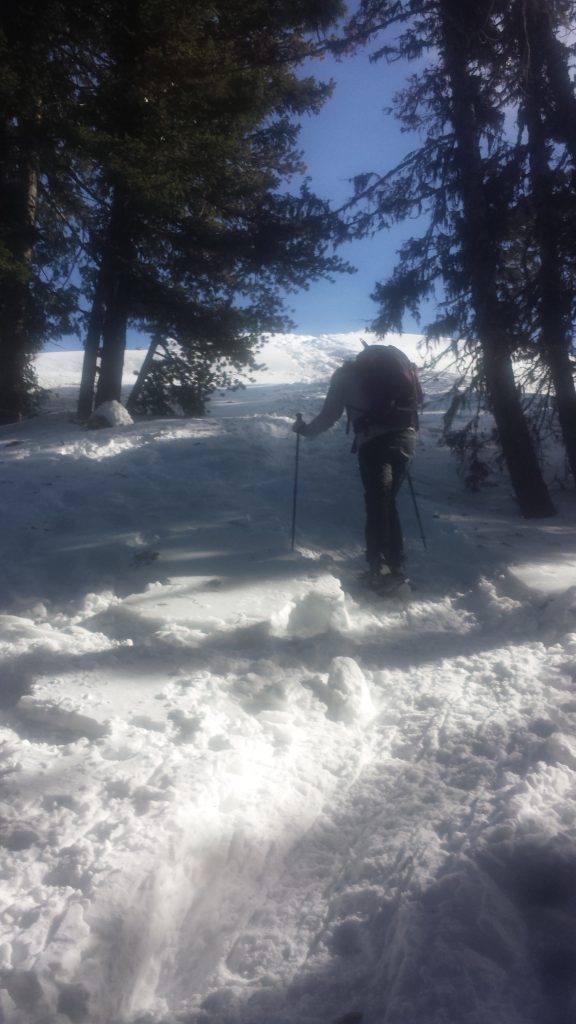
(235, 790)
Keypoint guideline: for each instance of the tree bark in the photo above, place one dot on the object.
(14, 358)
(480, 261)
(113, 345)
(118, 257)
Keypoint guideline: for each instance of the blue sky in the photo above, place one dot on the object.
(352, 135)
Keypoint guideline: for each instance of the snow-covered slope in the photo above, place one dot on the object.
(237, 791)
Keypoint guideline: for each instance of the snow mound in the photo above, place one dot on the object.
(345, 692)
(109, 414)
(319, 610)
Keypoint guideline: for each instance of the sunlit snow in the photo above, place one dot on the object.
(237, 790)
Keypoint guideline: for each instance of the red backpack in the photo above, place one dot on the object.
(391, 388)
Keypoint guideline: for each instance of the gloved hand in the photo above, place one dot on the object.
(299, 427)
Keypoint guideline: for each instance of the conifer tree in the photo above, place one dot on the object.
(464, 176)
(147, 146)
(541, 62)
(193, 142)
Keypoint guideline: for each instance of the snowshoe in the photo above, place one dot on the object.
(386, 584)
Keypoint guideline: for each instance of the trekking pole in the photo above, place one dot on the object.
(295, 495)
(416, 509)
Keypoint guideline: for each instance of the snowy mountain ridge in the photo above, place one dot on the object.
(236, 790)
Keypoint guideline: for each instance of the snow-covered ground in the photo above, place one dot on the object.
(235, 790)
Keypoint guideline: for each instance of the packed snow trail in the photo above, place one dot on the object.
(238, 791)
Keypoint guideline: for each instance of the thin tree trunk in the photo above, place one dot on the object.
(91, 347)
(480, 260)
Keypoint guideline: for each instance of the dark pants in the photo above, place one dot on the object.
(383, 463)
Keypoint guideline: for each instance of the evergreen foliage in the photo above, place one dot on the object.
(36, 246)
(194, 143)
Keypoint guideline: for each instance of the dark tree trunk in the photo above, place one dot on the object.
(554, 309)
(517, 446)
(113, 345)
(118, 256)
(18, 206)
(14, 359)
(480, 261)
(125, 49)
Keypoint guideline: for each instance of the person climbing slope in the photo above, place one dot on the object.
(381, 394)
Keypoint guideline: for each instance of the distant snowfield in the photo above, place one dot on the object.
(235, 789)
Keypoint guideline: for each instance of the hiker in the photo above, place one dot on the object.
(381, 394)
